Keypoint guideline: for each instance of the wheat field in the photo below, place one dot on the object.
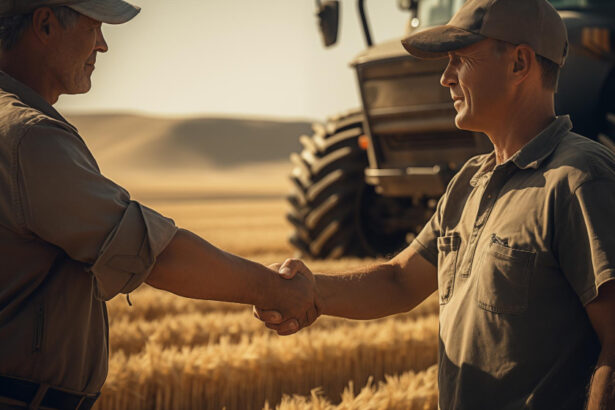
(169, 352)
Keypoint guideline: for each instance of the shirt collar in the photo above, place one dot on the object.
(30, 97)
(542, 145)
(532, 154)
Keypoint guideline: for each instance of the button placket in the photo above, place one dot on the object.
(492, 185)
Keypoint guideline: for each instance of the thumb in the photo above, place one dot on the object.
(292, 267)
(286, 272)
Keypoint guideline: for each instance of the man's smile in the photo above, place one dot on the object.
(457, 101)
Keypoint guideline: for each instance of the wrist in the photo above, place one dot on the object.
(322, 299)
(268, 290)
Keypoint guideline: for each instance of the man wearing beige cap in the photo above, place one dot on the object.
(70, 239)
(521, 247)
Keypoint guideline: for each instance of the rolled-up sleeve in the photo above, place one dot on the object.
(426, 242)
(67, 202)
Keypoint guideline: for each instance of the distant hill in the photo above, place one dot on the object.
(135, 141)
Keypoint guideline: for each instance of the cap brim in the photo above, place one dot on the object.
(436, 42)
(107, 11)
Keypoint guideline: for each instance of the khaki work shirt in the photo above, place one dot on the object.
(520, 248)
(69, 240)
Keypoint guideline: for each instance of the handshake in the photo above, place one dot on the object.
(295, 300)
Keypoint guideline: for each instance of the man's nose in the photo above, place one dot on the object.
(101, 44)
(449, 77)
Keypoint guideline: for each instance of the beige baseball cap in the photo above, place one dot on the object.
(532, 22)
(107, 11)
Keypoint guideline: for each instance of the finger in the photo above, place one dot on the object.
(291, 267)
(285, 270)
(286, 333)
(272, 326)
(312, 315)
(269, 316)
(288, 327)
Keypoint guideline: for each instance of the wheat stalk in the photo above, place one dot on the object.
(248, 373)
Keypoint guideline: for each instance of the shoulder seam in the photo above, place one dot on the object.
(587, 181)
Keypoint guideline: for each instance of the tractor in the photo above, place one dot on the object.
(367, 180)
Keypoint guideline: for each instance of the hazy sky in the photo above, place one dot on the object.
(232, 57)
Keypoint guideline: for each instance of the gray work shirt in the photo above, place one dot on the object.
(520, 248)
(69, 240)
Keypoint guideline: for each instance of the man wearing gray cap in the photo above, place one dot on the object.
(70, 239)
(521, 246)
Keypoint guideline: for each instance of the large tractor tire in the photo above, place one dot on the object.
(329, 198)
(327, 180)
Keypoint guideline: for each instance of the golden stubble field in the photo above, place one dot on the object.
(169, 352)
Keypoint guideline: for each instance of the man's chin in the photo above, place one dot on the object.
(81, 89)
(463, 123)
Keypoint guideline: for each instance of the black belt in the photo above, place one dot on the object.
(37, 395)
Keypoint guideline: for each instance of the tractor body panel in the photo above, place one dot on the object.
(415, 147)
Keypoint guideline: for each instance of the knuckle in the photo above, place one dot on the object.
(286, 332)
(294, 263)
(273, 317)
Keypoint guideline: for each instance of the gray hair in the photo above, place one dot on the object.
(12, 28)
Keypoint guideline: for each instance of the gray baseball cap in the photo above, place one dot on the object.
(107, 11)
(532, 22)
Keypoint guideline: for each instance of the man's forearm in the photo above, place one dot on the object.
(602, 389)
(377, 291)
(192, 267)
(371, 293)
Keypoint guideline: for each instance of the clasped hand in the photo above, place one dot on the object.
(296, 303)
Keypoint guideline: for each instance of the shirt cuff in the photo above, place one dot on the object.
(592, 292)
(424, 252)
(130, 251)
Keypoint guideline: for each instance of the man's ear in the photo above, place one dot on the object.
(524, 59)
(44, 24)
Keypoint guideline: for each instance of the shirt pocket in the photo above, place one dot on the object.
(448, 248)
(504, 278)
